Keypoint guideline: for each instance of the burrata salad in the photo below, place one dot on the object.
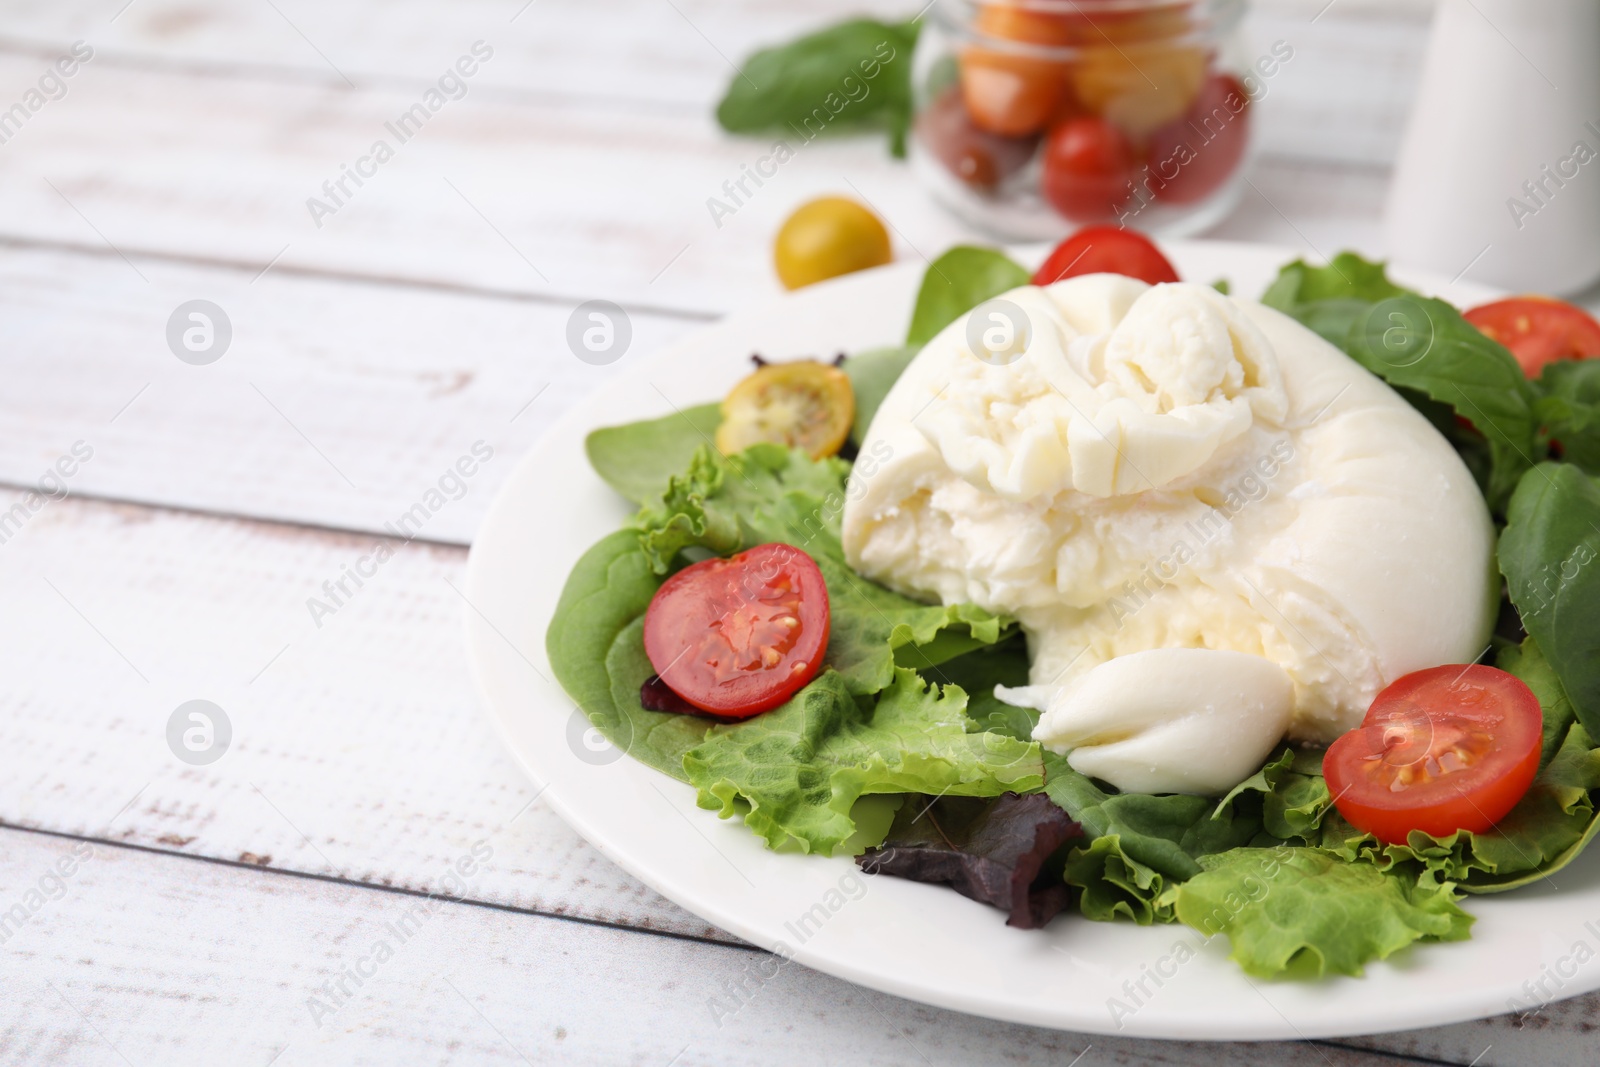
(1113, 593)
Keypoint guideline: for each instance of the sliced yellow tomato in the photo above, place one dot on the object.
(804, 404)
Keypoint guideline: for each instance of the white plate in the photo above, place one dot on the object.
(920, 941)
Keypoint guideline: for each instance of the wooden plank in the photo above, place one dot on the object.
(528, 198)
(357, 748)
(356, 752)
(335, 404)
(1344, 97)
(148, 959)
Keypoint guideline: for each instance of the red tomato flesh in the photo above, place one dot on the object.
(1445, 749)
(739, 636)
(1106, 250)
(1538, 330)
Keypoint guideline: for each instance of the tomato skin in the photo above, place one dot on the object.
(1538, 330)
(1010, 93)
(1192, 157)
(1106, 250)
(980, 159)
(828, 237)
(1088, 169)
(1444, 749)
(738, 636)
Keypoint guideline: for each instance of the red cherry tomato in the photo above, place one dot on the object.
(739, 636)
(1192, 157)
(1088, 169)
(1106, 250)
(1538, 330)
(1445, 749)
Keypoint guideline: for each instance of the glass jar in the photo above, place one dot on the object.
(1036, 117)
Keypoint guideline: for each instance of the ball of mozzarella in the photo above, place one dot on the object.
(1169, 468)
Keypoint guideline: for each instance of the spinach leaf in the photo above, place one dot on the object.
(797, 770)
(957, 282)
(872, 374)
(638, 458)
(1547, 554)
(851, 74)
(596, 648)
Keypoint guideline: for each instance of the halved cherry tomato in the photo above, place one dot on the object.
(803, 404)
(1538, 330)
(1088, 169)
(827, 237)
(1106, 250)
(1011, 91)
(1192, 157)
(739, 636)
(1444, 749)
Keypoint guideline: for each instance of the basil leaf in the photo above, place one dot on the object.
(1547, 554)
(957, 282)
(855, 73)
(639, 458)
(872, 374)
(1569, 408)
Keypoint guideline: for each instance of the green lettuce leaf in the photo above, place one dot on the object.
(957, 282)
(796, 771)
(1547, 553)
(729, 503)
(855, 73)
(638, 459)
(1304, 913)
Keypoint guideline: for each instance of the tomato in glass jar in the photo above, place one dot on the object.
(1015, 91)
(1088, 169)
(1194, 156)
(981, 159)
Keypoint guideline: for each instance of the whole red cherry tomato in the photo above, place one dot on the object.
(1106, 250)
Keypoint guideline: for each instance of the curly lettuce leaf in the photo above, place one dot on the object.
(1305, 913)
(796, 771)
(729, 503)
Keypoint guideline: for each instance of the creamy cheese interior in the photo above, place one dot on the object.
(1169, 468)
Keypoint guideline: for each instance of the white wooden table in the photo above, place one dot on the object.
(233, 912)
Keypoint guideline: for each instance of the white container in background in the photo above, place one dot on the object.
(1499, 173)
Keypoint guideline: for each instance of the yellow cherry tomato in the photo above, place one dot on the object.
(1139, 87)
(827, 238)
(804, 404)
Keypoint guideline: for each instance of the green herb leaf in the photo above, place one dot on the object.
(1547, 554)
(637, 459)
(1569, 408)
(597, 651)
(1422, 347)
(851, 74)
(957, 282)
(1304, 913)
